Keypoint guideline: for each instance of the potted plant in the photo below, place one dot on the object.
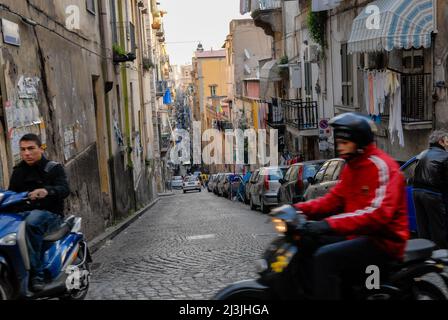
(147, 64)
(120, 55)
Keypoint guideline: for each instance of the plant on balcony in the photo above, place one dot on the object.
(317, 25)
(120, 55)
(147, 64)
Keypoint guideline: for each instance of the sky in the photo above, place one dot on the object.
(191, 21)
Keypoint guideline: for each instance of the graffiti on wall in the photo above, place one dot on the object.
(22, 113)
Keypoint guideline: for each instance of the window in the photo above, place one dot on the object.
(294, 173)
(347, 76)
(310, 171)
(90, 5)
(213, 90)
(413, 61)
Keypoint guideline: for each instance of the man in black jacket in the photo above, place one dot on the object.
(431, 191)
(47, 185)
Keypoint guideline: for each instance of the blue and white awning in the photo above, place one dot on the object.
(393, 24)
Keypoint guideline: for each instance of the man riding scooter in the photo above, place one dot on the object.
(47, 185)
(365, 212)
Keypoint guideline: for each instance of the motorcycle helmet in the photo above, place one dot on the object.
(354, 127)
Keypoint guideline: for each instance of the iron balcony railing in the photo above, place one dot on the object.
(301, 114)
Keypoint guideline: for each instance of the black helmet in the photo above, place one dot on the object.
(354, 127)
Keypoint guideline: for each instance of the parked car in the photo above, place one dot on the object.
(231, 185)
(192, 183)
(325, 179)
(264, 191)
(177, 182)
(250, 183)
(243, 186)
(295, 182)
(215, 183)
(222, 180)
(211, 180)
(318, 189)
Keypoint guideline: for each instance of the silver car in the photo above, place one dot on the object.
(177, 182)
(263, 192)
(325, 179)
(192, 183)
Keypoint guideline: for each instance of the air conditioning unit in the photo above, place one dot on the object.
(312, 53)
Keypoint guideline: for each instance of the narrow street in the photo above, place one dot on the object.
(188, 246)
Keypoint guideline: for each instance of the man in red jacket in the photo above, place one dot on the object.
(367, 207)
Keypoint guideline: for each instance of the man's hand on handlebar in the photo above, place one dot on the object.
(37, 194)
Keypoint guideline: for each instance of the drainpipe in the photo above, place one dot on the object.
(124, 82)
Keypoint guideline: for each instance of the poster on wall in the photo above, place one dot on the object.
(10, 32)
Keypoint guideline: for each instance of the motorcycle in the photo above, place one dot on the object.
(279, 278)
(66, 257)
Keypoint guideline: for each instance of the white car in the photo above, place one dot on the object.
(192, 183)
(177, 182)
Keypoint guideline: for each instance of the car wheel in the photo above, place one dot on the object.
(263, 207)
(185, 191)
(200, 190)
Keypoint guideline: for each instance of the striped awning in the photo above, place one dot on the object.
(393, 24)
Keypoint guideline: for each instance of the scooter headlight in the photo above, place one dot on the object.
(9, 240)
(279, 225)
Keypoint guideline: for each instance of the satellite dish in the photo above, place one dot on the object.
(247, 54)
(247, 69)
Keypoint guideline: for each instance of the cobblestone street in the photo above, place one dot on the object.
(187, 246)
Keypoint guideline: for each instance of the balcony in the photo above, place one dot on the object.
(267, 14)
(416, 101)
(161, 87)
(165, 143)
(301, 114)
(275, 117)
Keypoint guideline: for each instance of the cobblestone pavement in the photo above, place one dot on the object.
(188, 246)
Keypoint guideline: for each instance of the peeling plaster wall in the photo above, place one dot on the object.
(65, 69)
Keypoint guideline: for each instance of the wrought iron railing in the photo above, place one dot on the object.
(301, 114)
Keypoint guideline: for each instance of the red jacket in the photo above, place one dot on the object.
(369, 200)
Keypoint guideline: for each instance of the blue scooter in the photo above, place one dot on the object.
(66, 258)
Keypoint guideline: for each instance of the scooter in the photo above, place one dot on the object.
(66, 258)
(278, 279)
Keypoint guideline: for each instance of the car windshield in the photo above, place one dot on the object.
(192, 179)
(276, 173)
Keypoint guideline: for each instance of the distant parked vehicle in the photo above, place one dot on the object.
(177, 182)
(215, 183)
(295, 182)
(221, 182)
(210, 183)
(264, 191)
(231, 185)
(325, 179)
(243, 186)
(253, 178)
(192, 183)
